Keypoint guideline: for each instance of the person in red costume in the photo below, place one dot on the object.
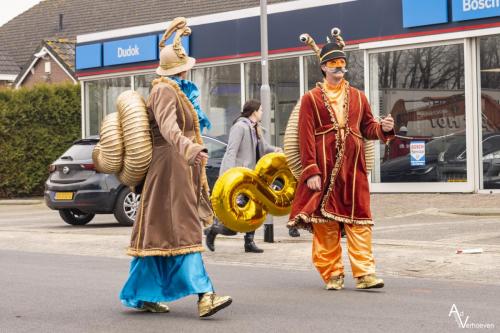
(334, 120)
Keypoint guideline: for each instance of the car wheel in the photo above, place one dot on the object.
(126, 207)
(75, 216)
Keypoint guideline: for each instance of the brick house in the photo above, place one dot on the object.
(56, 20)
(52, 62)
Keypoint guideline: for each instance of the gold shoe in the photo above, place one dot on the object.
(155, 307)
(369, 281)
(335, 283)
(210, 303)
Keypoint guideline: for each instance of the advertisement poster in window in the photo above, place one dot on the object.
(417, 153)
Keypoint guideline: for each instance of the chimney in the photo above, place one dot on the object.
(60, 22)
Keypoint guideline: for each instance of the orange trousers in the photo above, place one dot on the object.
(327, 251)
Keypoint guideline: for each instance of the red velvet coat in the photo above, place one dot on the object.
(340, 163)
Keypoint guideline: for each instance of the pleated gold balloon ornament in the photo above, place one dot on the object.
(291, 140)
(242, 198)
(108, 153)
(369, 154)
(125, 145)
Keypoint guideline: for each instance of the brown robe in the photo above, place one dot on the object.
(167, 222)
(344, 195)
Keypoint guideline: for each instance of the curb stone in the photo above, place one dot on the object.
(18, 202)
(472, 211)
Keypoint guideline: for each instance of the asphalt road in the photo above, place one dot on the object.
(69, 293)
(410, 243)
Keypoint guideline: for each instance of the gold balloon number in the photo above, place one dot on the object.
(242, 198)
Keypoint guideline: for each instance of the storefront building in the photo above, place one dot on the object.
(434, 65)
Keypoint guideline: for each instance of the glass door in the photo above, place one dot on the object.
(284, 81)
(220, 97)
(100, 100)
(424, 89)
(489, 66)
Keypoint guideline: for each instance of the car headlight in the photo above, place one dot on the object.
(491, 156)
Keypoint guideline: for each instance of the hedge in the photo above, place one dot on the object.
(36, 126)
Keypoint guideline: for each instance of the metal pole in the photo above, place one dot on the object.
(265, 100)
(265, 90)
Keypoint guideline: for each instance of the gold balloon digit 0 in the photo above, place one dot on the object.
(241, 198)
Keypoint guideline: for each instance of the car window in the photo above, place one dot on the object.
(216, 149)
(491, 144)
(451, 145)
(78, 152)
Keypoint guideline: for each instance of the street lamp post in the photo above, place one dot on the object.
(265, 99)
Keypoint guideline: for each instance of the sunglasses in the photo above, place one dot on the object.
(336, 63)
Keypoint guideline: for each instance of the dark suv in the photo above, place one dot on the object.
(78, 191)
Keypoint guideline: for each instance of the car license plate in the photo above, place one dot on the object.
(64, 196)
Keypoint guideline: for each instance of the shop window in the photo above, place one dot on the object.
(284, 81)
(142, 84)
(423, 90)
(220, 99)
(355, 67)
(490, 110)
(100, 99)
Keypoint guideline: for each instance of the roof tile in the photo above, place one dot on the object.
(7, 65)
(22, 35)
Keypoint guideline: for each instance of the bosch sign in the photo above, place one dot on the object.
(475, 9)
(479, 4)
(426, 12)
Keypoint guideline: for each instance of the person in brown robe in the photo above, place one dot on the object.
(167, 236)
(333, 188)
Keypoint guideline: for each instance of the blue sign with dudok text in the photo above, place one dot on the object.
(130, 50)
(123, 51)
(474, 9)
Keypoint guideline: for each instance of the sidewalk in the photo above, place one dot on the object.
(385, 205)
(415, 235)
(393, 207)
(21, 202)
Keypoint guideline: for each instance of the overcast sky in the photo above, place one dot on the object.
(11, 8)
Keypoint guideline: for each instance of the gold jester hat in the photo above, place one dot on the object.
(173, 57)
